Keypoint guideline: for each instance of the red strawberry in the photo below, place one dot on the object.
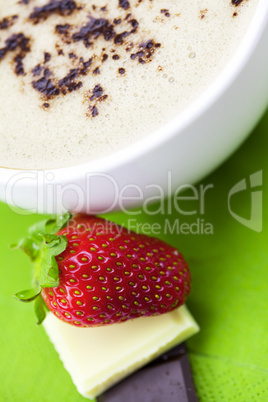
(106, 274)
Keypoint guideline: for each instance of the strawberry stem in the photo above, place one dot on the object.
(42, 245)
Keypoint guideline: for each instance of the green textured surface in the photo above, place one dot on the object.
(229, 297)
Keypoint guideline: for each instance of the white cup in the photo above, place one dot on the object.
(182, 152)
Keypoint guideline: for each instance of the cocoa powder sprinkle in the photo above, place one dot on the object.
(117, 31)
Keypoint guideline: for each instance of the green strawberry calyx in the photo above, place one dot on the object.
(42, 245)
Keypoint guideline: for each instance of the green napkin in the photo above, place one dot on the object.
(229, 297)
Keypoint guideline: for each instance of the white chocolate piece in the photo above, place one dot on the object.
(97, 358)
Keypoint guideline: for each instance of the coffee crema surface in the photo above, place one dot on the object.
(83, 79)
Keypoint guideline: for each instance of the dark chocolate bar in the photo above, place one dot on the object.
(166, 379)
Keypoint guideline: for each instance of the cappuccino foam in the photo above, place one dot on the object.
(82, 79)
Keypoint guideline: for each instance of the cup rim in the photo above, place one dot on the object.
(175, 126)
